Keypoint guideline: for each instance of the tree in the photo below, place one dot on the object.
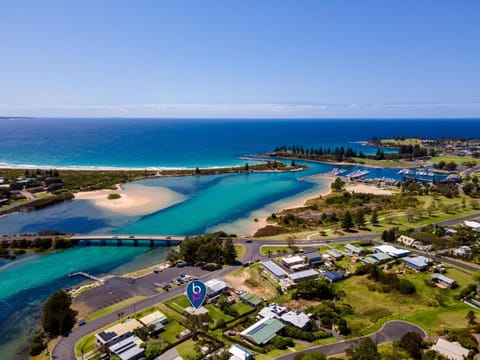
(152, 351)
(314, 290)
(247, 167)
(290, 241)
(412, 342)
(374, 218)
(347, 222)
(197, 323)
(337, 185)
(366, 350)
(360, 219)
(58, 318)
(472, 319)
(229, 252)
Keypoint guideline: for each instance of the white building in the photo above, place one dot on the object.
(215, 287)
(452, 350)
(391, 251)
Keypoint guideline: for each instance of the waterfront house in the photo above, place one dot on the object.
(262, 331)
(419, 263)
(443, 281)
(275, 271)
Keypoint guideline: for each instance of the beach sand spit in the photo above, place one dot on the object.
(135, 199)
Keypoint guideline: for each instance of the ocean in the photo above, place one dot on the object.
(210, 202)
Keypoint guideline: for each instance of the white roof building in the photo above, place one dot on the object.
(215, 286)
(156, 319)
(272, 311)
(472, 225)
(452, 350)
(238, 352)
(128, 349)
(391, 251)
(296, 318)
(112, 333)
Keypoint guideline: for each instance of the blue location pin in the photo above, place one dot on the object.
(196, 293)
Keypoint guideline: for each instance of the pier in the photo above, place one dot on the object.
(86, 275)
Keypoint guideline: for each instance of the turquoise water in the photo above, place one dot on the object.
(25, 284)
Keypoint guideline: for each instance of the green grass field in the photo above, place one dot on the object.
(455, 159)
(109, 309)
(241, 250)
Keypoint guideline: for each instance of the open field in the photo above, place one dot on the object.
(373, 307)
(455, 159)
(241, 250)
(249, 279)
(110, 309)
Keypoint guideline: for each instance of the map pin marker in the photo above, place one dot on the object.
(196, 293)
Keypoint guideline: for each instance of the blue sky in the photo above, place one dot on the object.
(240, 58)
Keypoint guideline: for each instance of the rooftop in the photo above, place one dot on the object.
(453, 350)
(128, 348)
(296, 318)
(391, 250)
(274, 268)
(293, 259)
(251, 299)
(418, 261)
(263, 331)
(153, 318)
(215, 286)
(303, 274)
(240, 353)
(443, 278)
(118, 330)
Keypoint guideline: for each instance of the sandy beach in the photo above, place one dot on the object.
(368, 189)
(135, 199)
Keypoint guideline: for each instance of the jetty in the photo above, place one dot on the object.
(357, 174)
(85, 275)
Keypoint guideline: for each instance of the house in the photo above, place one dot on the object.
(296, 318)
(313, 258)
(472, 225)
(238, 352)
(406, 240)
(294, 263)
(274, 270)
(354, 250)
(443, 281)
(452, 350)
(129, 348)
(391, 251)
(419, 263)
(112, 334)
(376, 258)
(171, 354)
(156, 319)
(250, 299)
(215, 287)
(335, 254)
(272, 311)
(303, 275)
(333, 276)
(462, 251)
(262, 331)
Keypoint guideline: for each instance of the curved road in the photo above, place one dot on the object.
(391, 331)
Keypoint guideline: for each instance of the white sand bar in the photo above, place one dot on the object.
(135, 199)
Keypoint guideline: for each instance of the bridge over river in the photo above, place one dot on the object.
(120, 239)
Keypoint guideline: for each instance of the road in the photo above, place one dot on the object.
(391, 331)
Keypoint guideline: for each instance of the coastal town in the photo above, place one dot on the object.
(310, 283)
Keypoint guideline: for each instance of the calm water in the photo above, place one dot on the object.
(210, 201)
